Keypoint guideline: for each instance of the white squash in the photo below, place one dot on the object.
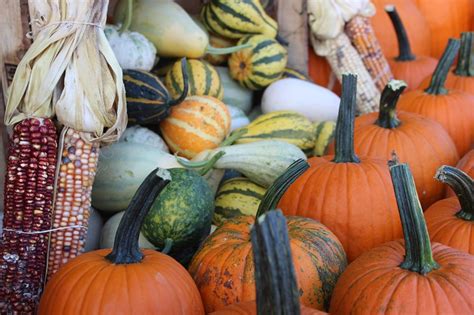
(234, 93)
(139, 134)
(94, 228)
(306, 98)
(239, 119)
(132, 50)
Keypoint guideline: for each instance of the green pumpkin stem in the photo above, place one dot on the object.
(275, 278)
(227, 50)
(418, 254)
(168, 245)
(184, 94)
(128, 17)
(465, 65)
(234, 136)
(388, 104)
(204, 166)
(440, 74)
(344, 137)
(463, 186)
(404, 48)
(275, 192)
(126, 249)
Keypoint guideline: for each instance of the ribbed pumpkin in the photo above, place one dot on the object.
(223, 268)
(197, 124)
(466, 164)
(451, 221)
(406, 66)
(407, 277)
(124, 280)
(353, 197)
(204, 80)
(453, 109)
(418, 141)
(259, 65)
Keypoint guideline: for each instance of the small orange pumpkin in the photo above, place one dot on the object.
(451, 221)
(466, 164)
(410, 277)
(124, 280)
(199, 123)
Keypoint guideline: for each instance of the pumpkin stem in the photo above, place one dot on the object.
(128, 17)
(404, 48)
(440, 74)
(275, 192)
(388, 104)
(463, 186)
(418, 254)
(344, 137)
(275, 278)
(234, 136)
(465, 65)
(227, 50)
(184, 94)
(168, 246)
(204, 166)
(126, 249)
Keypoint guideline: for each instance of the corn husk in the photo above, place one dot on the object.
(70, 71)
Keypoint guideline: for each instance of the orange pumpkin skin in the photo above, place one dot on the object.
(466, 164)
(250, 308)
(223, 268)
(412, 72)
(90, 284)
(375, 284)
(354, 200)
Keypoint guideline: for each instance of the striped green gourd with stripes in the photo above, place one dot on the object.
(295, 74)
(324, 132)
(204, 80)
(287, 126)
(259, 65)
(236, 197)
(236, 19)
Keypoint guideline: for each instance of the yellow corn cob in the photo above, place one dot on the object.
(362, 35)
(74, 181)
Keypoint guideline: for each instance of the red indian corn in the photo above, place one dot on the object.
(75, 177)
(28, 200)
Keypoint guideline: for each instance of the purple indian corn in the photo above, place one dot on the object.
(29, 188)
(73, 198)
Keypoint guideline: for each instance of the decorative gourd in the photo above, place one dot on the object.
(295, 74)
(275, 277)
(122, 167)
(451, 221)
(451, 108)
(197, 124)
(466, 164)
(351, 196)
(167, 25)
(234, 93)
(259, 65)
(142, 135)
(119, 281)
(218, 42)
(406, 66)
(410, 276)
(223, 267)
(418, 141)
(181, 218)
(148, 100)
(314, 102)
(237, 197)
(462, 78)
(94, 228)
(238, 118)
(325, 132)
(203, 80)
(287, 126)
(109, 231)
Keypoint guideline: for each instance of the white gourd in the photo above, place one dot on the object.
(239, 119)
(139, 134)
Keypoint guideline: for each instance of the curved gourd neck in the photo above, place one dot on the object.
(126, 248)
(463, 186)
(465, 65)
(388, 104)
(128, 17)
(418, 253)
(440, 74)
(404, 48)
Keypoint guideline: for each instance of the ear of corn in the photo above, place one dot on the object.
(362, 35)
(29, 189)
(74, 179)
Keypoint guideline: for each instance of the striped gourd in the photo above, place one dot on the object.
(287, 126)
(237, 196)
(218, 42)
(324, 131)
(235, 19)
(259, 65)
(203, 80)
(197, 124)
(295, 74)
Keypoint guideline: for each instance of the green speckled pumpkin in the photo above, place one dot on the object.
(180, 217)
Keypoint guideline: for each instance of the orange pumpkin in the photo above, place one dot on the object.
(451, 221)
(353, 197)
(223, 268)
(466, 164)
(407, 277)
(462, 78)
(453, 109)
(124, 280)
(321, 73)
(415, 23)
(199, 123)
(418, 141)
